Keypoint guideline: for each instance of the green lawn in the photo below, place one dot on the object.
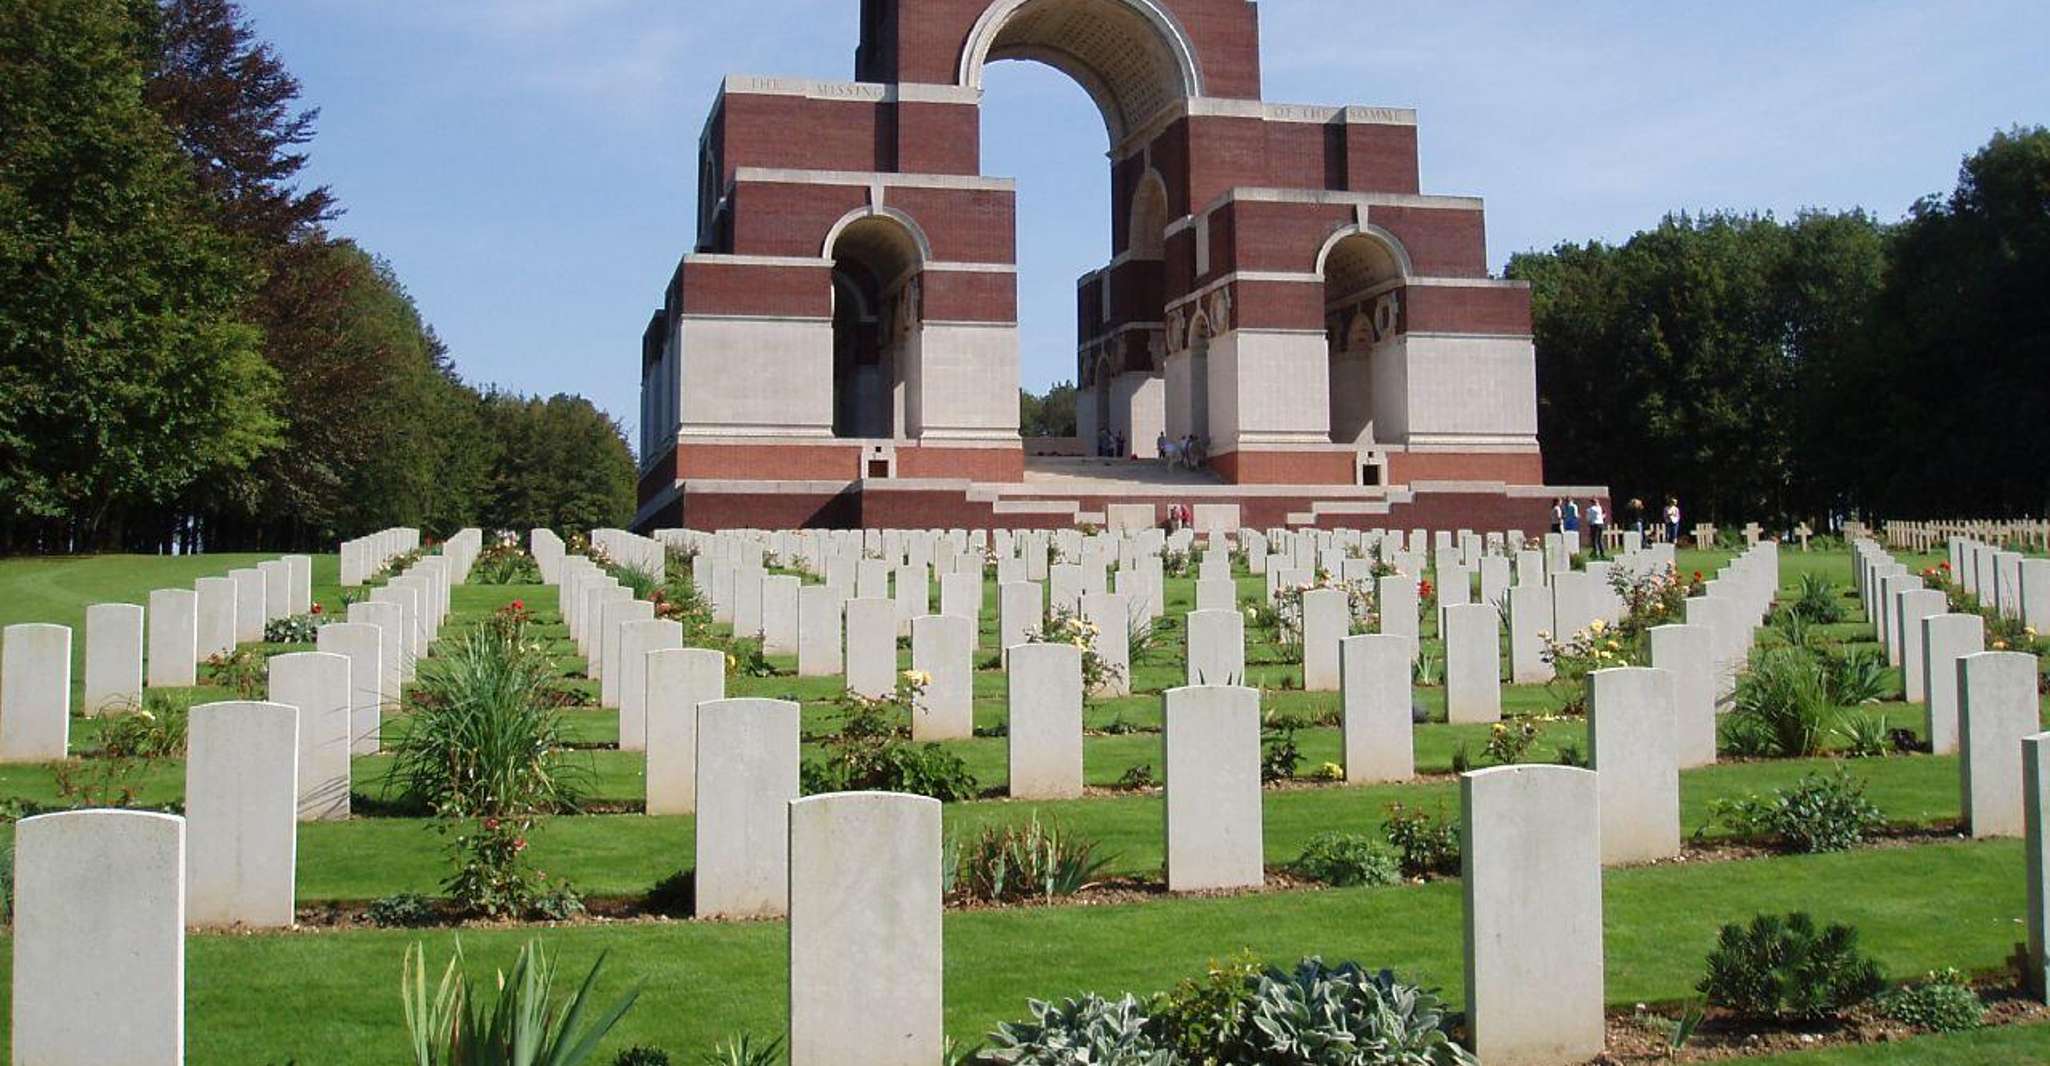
(329, 996)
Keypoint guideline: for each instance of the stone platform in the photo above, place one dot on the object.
(1059, 493)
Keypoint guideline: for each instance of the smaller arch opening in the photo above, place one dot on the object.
(1363, 272)
(876, 318)
(1148, 235)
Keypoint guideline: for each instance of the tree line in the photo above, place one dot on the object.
(188, 357)
(1831, 365)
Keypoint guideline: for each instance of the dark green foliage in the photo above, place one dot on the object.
(742, 1050)
(1783, 707)
(1856, 676)
(882, 762)
(1825, 812)
(641, 1055)
(505, 564)
(1428, 844)
(1051, 415)
(128, 376)
(675, 896)
(1819, 600)
(1343, 859)
(1783, 969)
(155, 730)
(1280, 756)
(1944, 1003)
(405, 910)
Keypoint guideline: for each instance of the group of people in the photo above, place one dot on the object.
(1567, 515)
(1188, 451)
(1110, 445)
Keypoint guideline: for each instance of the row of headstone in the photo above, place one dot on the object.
(362, 557)
(2012, 585)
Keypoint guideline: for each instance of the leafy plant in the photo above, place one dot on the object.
(524, 1026)
(504, 563)
(1426, 843)
(1944, 1002)
(675, 896)
(1137, 777)
(241, 671)
(1856, 676)
(1201, 1016)
(405, 910)
(1866, 736)
(1323, 1014)
(1280, 756)
(1823, 813)
(491, 875)
(1509, 742)
(1782, 969)
(743, 1050)
(1092, 1030)
(296, 629)
(156, 730)
(1783, 707)
(1010, 863)
(1818, 600)
(1344, 859)
(640, 579)
(486, 734)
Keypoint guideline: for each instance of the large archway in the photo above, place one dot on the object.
(1132, 56)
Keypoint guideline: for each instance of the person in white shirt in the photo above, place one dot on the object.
(1597, 525)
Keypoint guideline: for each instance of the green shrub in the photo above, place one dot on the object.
(1202, 1015)
(641, 1055)
(1782, 969)
(1280, 756)
(1942, 1003)
(1818, 601)
(1137, 777)
(1866, 736)
(1011, 863)
(1857, 676)
(405, 910)
(297, 629)
(869, 754)
(1825, 812)
(1321, 1014)
(1344, 859)
(156, 730)
(1426, 843)
(241, 671)
(486, 737)
(504, 564)
(1783, 707)
(1091, 1030)
(523, 1026)
(640, 580)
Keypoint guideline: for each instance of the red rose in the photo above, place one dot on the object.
(519, 605)
(316, 608)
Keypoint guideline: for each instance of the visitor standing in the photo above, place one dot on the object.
(1597, 527)
(1673, 520)
(1572, 516)
(1162, 448)
(1558, 516)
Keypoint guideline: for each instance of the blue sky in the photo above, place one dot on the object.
(529, 166)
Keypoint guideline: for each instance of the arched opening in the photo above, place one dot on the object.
(1363, 271)
(1131, 56)
(876, 324)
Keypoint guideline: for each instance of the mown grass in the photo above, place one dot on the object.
(329, 996)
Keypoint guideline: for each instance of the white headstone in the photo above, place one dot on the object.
(113, 658)
(216, 615)
(99, 960)
(241, 811)
(636, 641)
(943, 646)
(679, 680)
(1688, 653)
(1113, 641)
(1211, 748)
(1045, 734)
(747, 776)
(1473, 663)
(819, 621)
(1997, 709)
(35, 693)
(1946, 638)
(317, 685)
(1327, 619)
(1217, 648)
(1630, 736)
(363, 644)
(871, 648)
(780, 615)
(173, 638)
(1531, 871)
(1376, 722)
(865, 931)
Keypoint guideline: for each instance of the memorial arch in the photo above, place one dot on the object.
(1279, 285)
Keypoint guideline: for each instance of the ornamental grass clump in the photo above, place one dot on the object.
(485, 736)
(1018, 863)
(1784, 707)
(523, 1025)
(1781, 969)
